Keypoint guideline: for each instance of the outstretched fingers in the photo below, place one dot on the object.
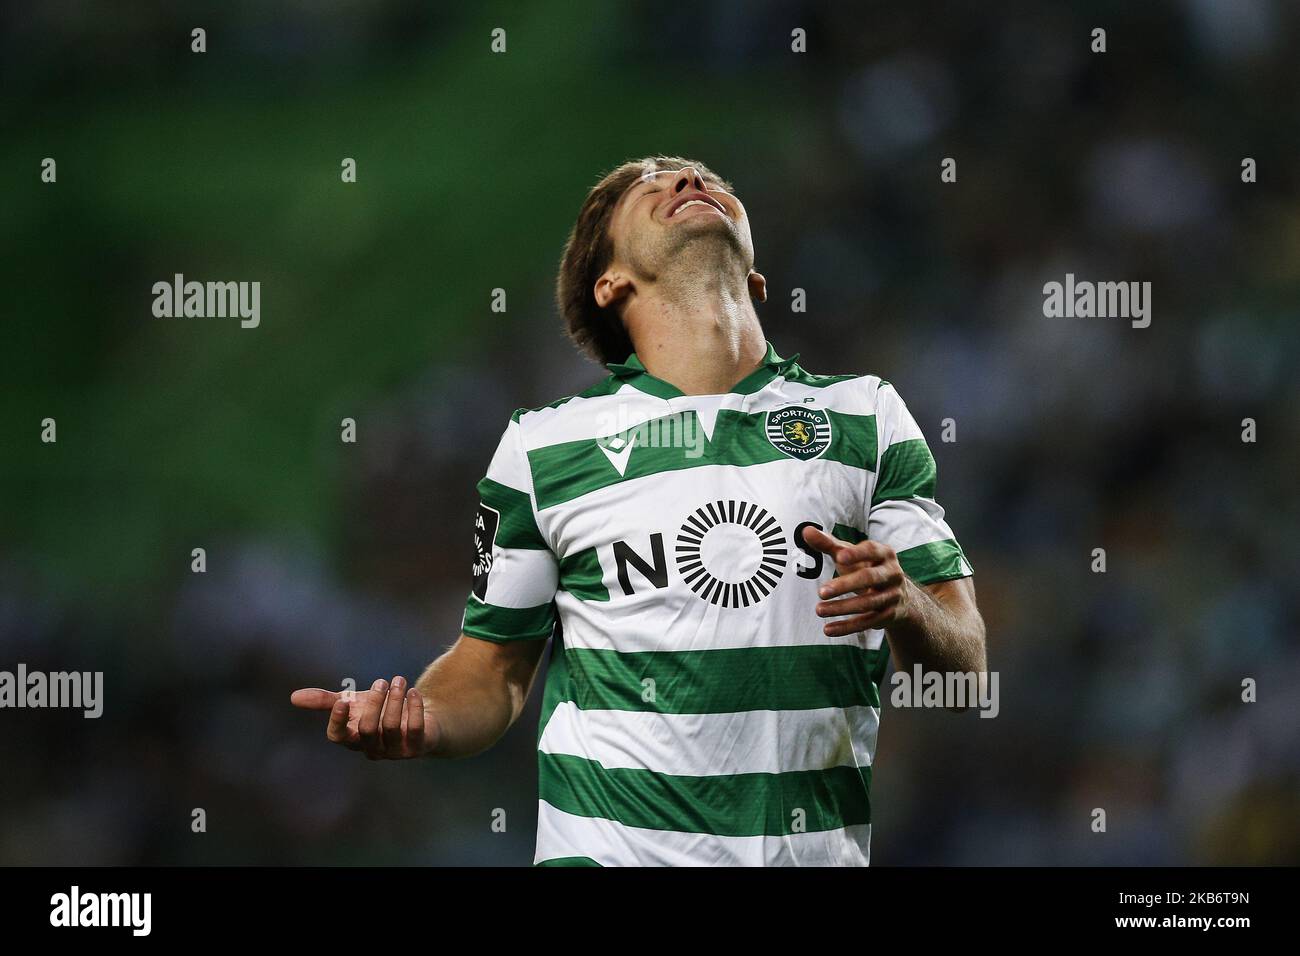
(861, 578)
(854, 625)
(385, 722)
(823, 542)
(313, 698)
(337, 731)
(370, 708)
(391, 722)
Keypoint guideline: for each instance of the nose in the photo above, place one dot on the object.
(688, 178)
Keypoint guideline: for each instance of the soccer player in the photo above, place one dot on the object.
(722, 548)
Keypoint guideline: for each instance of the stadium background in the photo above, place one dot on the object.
(325, 560)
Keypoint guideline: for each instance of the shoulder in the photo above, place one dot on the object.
(564, 413)
(865, 391)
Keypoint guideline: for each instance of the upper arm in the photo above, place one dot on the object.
(903, 511)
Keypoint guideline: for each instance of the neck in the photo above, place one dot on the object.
(700, 335)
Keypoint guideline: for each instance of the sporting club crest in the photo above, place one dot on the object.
(799, 431)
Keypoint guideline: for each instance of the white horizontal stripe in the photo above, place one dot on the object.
(584, 419)
(908, 524)
(561, 834)
(854, 396)
(894, 422)
(701, 745)
(579, 418)
(613, 415)
(911, 521)
(651, 621)
(508, 466)
(790, 491)
(521, 577)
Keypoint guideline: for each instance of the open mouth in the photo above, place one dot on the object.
(690, 199)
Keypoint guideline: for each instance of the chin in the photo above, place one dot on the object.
(711, 232)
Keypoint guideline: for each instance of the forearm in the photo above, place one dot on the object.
(944, 635)
(474, 695)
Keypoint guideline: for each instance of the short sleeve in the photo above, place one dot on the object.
(515, 571)
(903, 512)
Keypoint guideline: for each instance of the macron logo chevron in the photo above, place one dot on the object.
(618, 449)
(689, 430)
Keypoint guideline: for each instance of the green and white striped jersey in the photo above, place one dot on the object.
(694, 711)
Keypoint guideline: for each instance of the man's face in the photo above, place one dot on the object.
(667, 212)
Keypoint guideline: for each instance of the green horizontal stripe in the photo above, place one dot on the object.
(880, 663)
(557, 682)
(569, 470)
(518, 528)
(936, 561)
(848, 533)
(501, 624)
(743, 804)
(853, 439)
(723, 681)
(569, 861)
(906, 471)
(583, 577)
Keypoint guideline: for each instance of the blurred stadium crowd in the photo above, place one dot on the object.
(1119, 690)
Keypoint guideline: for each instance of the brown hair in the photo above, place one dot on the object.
(599, 332)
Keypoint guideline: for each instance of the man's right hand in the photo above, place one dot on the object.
(387, 722)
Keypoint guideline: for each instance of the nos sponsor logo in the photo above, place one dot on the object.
(730, 553)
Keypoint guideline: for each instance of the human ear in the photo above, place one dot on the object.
(612, 287)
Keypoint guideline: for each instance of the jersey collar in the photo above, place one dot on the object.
(634, 373)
